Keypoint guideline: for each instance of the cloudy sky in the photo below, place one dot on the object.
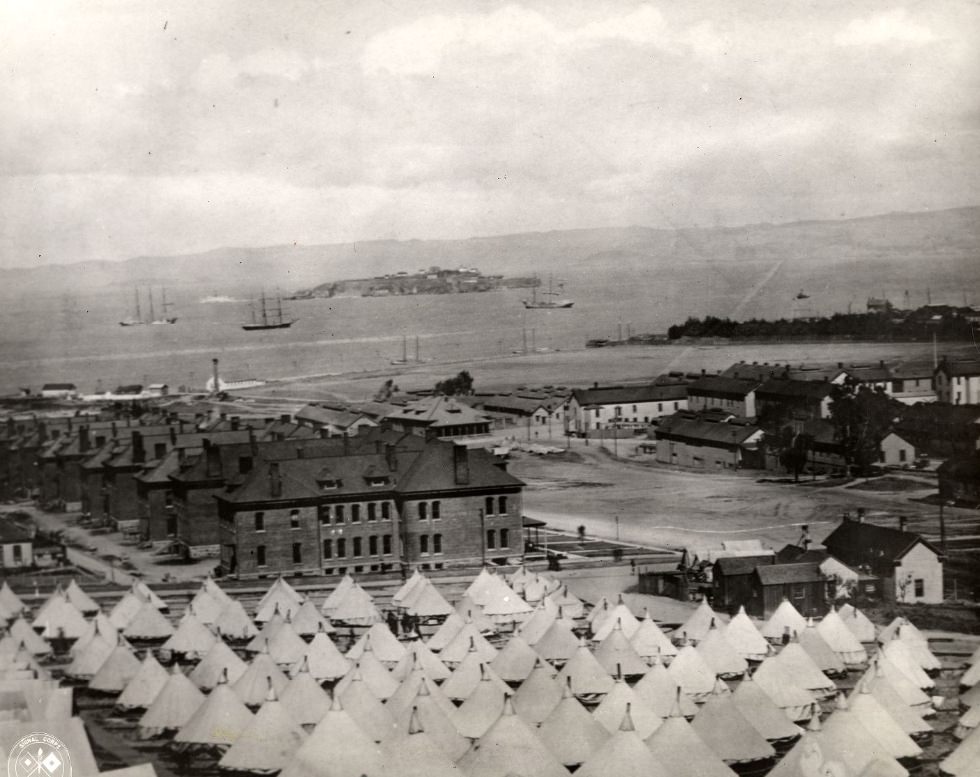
(166, 127)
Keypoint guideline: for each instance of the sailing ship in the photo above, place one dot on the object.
(802, 295)
(138, 320)
(549, 299)
(268, 317)
(405, 359)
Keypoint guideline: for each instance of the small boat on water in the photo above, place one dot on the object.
(138, 320)
(801, 295)
(547, 300)
(268, 317)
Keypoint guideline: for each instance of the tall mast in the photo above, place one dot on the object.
(405, 348)
(278, 308)
(417, 348)
(265, 314)
(139, 316)
(152, 314)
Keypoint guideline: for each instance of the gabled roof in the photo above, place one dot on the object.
(720, 386)
(795, 389)
(325, 415)
(433, 470)
(742, 565)
(625, 395)
(677, 427)
(779, 574)
(960, 368)
(12, 532)
(889, 543)
(58, 387)
(438, 412)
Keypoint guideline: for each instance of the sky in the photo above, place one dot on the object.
(133, 128)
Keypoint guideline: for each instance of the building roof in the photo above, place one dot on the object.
(13, 532)
(437, 412)
(741, 565)
(626, 395)
(780, 574)
(754, 371)
(960, 368)
(58, 387)
(884, 541)
(326, 415)
(721, 386)
(683, 428)
(781, 388)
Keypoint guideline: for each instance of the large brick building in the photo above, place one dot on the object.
(389, 502)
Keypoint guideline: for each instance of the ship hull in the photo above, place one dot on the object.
(254, 327)
(547, 305)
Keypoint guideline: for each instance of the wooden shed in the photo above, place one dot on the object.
(732, 580)
(804, 585)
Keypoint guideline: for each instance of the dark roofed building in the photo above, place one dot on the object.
(959, 479)
(731, 579)
(622, 407)
(779, 400)
(438, 416)
(910, 565)
(733, 395)
(958, 382)
(16, 545)
(333, 420)
(803, 584)
(692, 441)
(59, 390)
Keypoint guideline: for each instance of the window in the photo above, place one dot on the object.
(324, 511)
(168, 498)
(372, 545)
(297, 552)
(328, 549)
(385, 511)
(159, 450)
(488, 506)
(357, 546)
(491, 539)
(634, 408)
(338, 514)
(260, 522)
(619, 411)
(244, 464)
(18, 554)
(341, 548)
(372, 511)
(901, 454)
(502, 505)
(386, 545)
(798, 591)
(424, 544)
(294, 519)
(896, 387)
(677, 405)
(920, 587)
(504, 538)
(660, 407)
(423, 510)
(260, 555)
(436, 511)
(437, 543)
(355, 513)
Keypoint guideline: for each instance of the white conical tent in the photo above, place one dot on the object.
(539, 694)
(144, 686)
(253, 686)
(84, 603)
(377, 677)
(886, 729)
(912, 722)
(436, 712)
(820, 652)
(116, 671)
(261, 640)
(148, 624)
(649, 641)
(192, 639)
(696, 627)
(234, 625)
(743, 635)
(659, 690)
(964, 761)
(23, 634)
(482, 707)
(682, 753)
(900, 653)
(53, 601)
(570, 604)
(519, 578)
(142, 590)
(724, 728)
(616, 703)
(504, 605)
(446, 632)
(783, 622)
(691, 673)
(780, 685)
(308, 621)
(762, 713)
(88, 660)
(618, 657)
(267, 743)
(219, 722)
(845, 733)
(815, 754)
(402, 592)
(385, 645)
(465, 638)
(206, 607)
(365, 708)
(623, 754)
(219, 661)
(515, 661)
(416, 754)
(509, 746)
(338, 747)
(177, 701)
(559, 643)
(841, 640)
(281, 597)
(337, 595)
(99, 624)
(469, 610)
(9, 601)
(537, 625)
(720, 655)
(798, 664)
(882, 669)
(480, 590)
(125, 609)
(620, 615)
(857, 623)
(306, 701)
(918, 644)
(285, 646)
(325, 661)
(467, 675)
(538, 587)
(60, 619)
(418, 655)
(585, 674)
(356, 608)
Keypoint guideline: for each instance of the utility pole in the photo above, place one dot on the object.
(617, 528)
(942, 527)
(483, 539)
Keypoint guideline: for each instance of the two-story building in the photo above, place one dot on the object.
(635, 407)
(733, 395)
(709, 441)
(958, 382)
(780, 400)
(438, 416)
(435, 504)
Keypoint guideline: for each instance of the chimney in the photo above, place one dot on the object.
(703, 371)
(212, 464)
(840, 365)
(173, 436)
(252, 443)
(139, 454)
(391, 458)
(83, 439)
(285, 418)
(461, 465)
(236, 422)
(275, 480)
(903, 523)
(595, 385)
(214, 373)
(860, 514)
(881, 363)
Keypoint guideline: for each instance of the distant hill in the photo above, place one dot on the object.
(897, 244)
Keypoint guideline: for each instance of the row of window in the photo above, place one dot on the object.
(338, 547)
(495, 506)
(336, 514)
(494, 534)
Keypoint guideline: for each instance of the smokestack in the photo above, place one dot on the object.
(461, 465)
(275, 480)
(83, 439)
(285, 418)
(212, 460)
(139, 454)
(903, 523)
(214, 372)
(860, 514)
(236, 422)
